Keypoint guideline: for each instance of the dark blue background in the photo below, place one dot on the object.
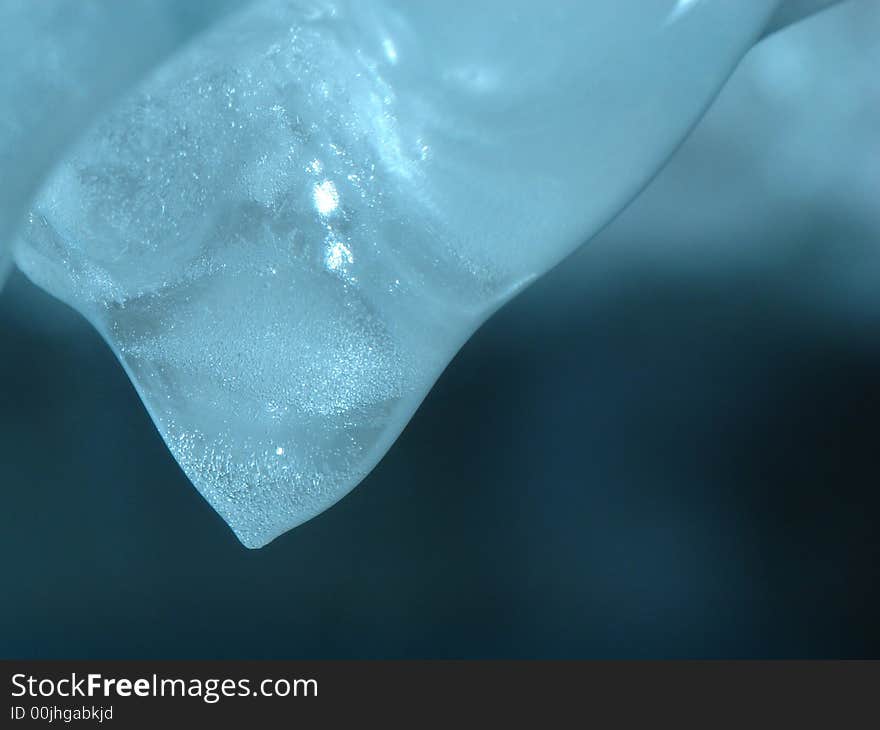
(674, 466)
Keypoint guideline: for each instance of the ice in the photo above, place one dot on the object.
(287, 232)
(60, 62)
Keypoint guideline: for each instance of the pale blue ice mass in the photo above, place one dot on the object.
(290, 226)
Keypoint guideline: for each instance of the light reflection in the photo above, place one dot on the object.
(338, 256)
(681, 7)
(390, 50)
(326, 197)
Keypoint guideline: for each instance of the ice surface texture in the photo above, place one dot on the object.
(61, 61)
(290, 228)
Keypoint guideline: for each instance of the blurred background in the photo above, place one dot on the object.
(665, 448)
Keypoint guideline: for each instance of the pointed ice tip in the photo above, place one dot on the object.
(252, 541)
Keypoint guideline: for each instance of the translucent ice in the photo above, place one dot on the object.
(289, 230)
(61, 61)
